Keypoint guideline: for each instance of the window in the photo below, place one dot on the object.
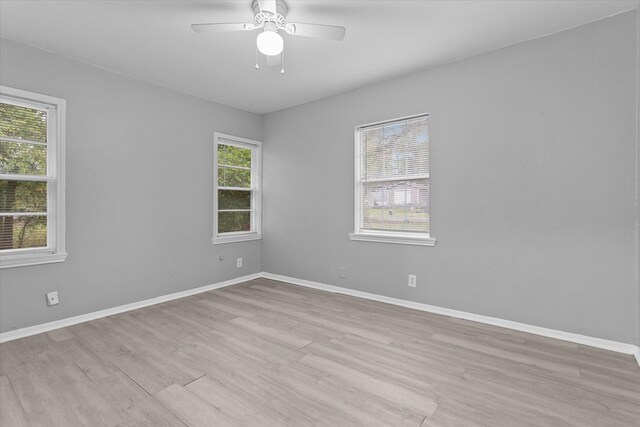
(237, 194)
(31, 178)
(392, 182)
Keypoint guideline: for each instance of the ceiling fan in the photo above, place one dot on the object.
(271, 17)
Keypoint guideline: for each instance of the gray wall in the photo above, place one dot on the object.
(139, 192)
(637, 254)
(533, 184)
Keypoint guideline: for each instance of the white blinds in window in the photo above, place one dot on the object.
(396, 150)
(26, 172)
(394, 176)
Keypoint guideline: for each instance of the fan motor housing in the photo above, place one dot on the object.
(279, 18)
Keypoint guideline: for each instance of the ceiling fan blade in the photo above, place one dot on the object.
(218, 28)
(273, 60)
(330, 32)
(267, 6)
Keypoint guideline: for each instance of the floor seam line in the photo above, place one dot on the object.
(151, 395)
(194, 380)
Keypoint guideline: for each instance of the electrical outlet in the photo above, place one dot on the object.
(342, 272)
(412, 281)
(239, 262)
(52, 298)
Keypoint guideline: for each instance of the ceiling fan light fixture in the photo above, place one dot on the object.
(270, 22)
(269, 42)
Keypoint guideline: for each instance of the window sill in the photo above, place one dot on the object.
(23, 260)
(243, 237)
(393, 238)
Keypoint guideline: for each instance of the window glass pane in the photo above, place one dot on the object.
(19, 232)
(234, 221)
(396, 205)
(235, 197)
(232, 199)
(23, 196)
(234, 156)
(23, 158)
(233, 177)
(23, 123)
(397, 149)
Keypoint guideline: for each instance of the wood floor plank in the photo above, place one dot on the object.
(134, 404)
(277, 389)
(493, 351)
(213, 301)
(310, 315)
(60, 334)
(423, 402)
(244, 407)
(11, 411)
(267, 353)
(61, 396)
(154, 371)
(342, 398)
(191, 409)
(270, 333)
(421, 378)
(42, 405)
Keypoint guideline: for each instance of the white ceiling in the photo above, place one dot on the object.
(152, 41)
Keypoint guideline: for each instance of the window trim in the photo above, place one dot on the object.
(256, 187)
(55, 250)
(381, 236)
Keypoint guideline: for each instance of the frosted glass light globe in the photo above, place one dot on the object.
(270, 43)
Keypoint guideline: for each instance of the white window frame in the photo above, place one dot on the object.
(55, 249)
(381, 236)
(256, 189)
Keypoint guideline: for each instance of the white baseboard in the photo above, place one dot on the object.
(537, 330)
(45, 327)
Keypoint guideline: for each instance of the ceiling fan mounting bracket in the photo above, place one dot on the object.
(280, 17)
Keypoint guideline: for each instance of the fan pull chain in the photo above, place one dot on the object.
(257, 66)
(282, 62)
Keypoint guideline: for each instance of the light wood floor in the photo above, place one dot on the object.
(266, 353)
